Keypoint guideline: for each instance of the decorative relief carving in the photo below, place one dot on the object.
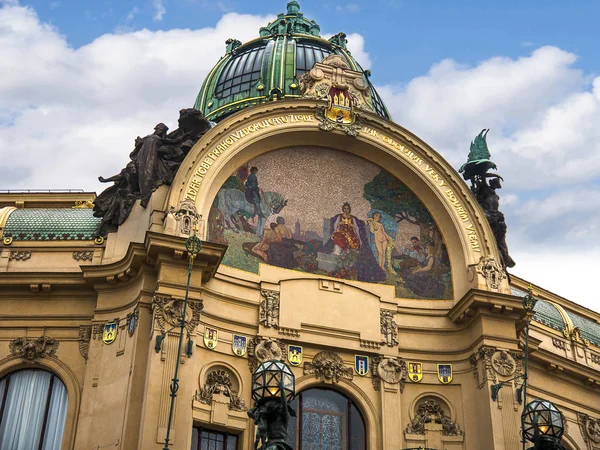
(372, 345)
(389, 328)
(264, 349)
(269, 309)
(489, 269)
(167, 312)
(182, 220)
(291, 332)
(431, 411)
(559, 343)
(390, 370)
(503, 363)
(33, 349)
(19, 255)
(219, 382)
(590, 428)
(329, 367)
(84, 255)
(595, 358)
(518, 357)
(97, 330)
(85, 334)
(483, 357)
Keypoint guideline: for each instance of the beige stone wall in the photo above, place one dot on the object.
(119, 393)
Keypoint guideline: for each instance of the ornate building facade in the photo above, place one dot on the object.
(333, 239)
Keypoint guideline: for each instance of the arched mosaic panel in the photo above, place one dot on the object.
(330, 213)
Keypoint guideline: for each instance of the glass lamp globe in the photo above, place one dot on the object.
(543, 417)
(267, 381)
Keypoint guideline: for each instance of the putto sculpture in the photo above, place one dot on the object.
(476, 171)
(154, 162)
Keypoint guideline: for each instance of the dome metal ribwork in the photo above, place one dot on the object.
(268, 68)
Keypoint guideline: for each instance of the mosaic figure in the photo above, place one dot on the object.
(382, 233)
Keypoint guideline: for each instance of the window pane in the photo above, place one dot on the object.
(24, 411)
(231, 442)
(194, 439)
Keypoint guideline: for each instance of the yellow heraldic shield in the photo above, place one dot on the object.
(444, 373)
(211, 338)
(294, 355)
(109, 334)
(415, 371)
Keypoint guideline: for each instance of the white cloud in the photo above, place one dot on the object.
(356, 45)
(159, 10)
(77, 111)
(348, 7)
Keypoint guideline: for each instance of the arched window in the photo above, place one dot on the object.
(33, 407)
(326, 420)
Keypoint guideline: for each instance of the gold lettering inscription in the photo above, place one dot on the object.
(436, 177)
(221, 147)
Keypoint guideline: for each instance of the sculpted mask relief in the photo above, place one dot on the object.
(330, 213)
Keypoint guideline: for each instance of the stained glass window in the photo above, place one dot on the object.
(204, 439)
(326, 420)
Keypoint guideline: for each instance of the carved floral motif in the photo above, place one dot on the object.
(389, 328)
(167, 312)
(33, 349)
(84, 255)
(85, 334)
(489, 269)
(219, 382)
(269, 309)
(328, 366)
(431, 411)
(19, 255)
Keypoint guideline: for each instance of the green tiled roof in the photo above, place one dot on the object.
(545, 312)
(56, 224)
(589, 329)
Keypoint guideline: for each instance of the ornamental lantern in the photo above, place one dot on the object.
(268, 380)
(529, 300)
(541, 420)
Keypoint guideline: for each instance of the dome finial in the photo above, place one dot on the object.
(293, 7)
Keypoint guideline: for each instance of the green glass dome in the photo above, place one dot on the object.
(268, 68)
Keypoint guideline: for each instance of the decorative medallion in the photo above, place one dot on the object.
(33, 349)
(239, 345)
(503, 363)
(109, 334)
(261, 349)
(392, 370)
(590, 428)
(415, 371)
(444, 373)
(132, 319)
(167, 311)
(294, 355)
(211, 338)
(361, 365)
(329, 367)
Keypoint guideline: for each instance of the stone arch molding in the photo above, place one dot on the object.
(273, 126)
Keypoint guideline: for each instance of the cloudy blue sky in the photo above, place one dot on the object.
(80, 79)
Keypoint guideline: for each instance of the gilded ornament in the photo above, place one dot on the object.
(7, 240)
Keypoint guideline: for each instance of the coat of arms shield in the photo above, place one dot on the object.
(239, 345)
(415, 371)
(294, 355)
(361, 365)
(444, 373)
(109, 334)
(211, 338)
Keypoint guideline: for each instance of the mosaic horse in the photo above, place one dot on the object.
(233, 202)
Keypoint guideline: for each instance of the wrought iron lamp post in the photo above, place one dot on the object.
(273, 388)
(193, 245)
(528, 303)
(542, 424)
